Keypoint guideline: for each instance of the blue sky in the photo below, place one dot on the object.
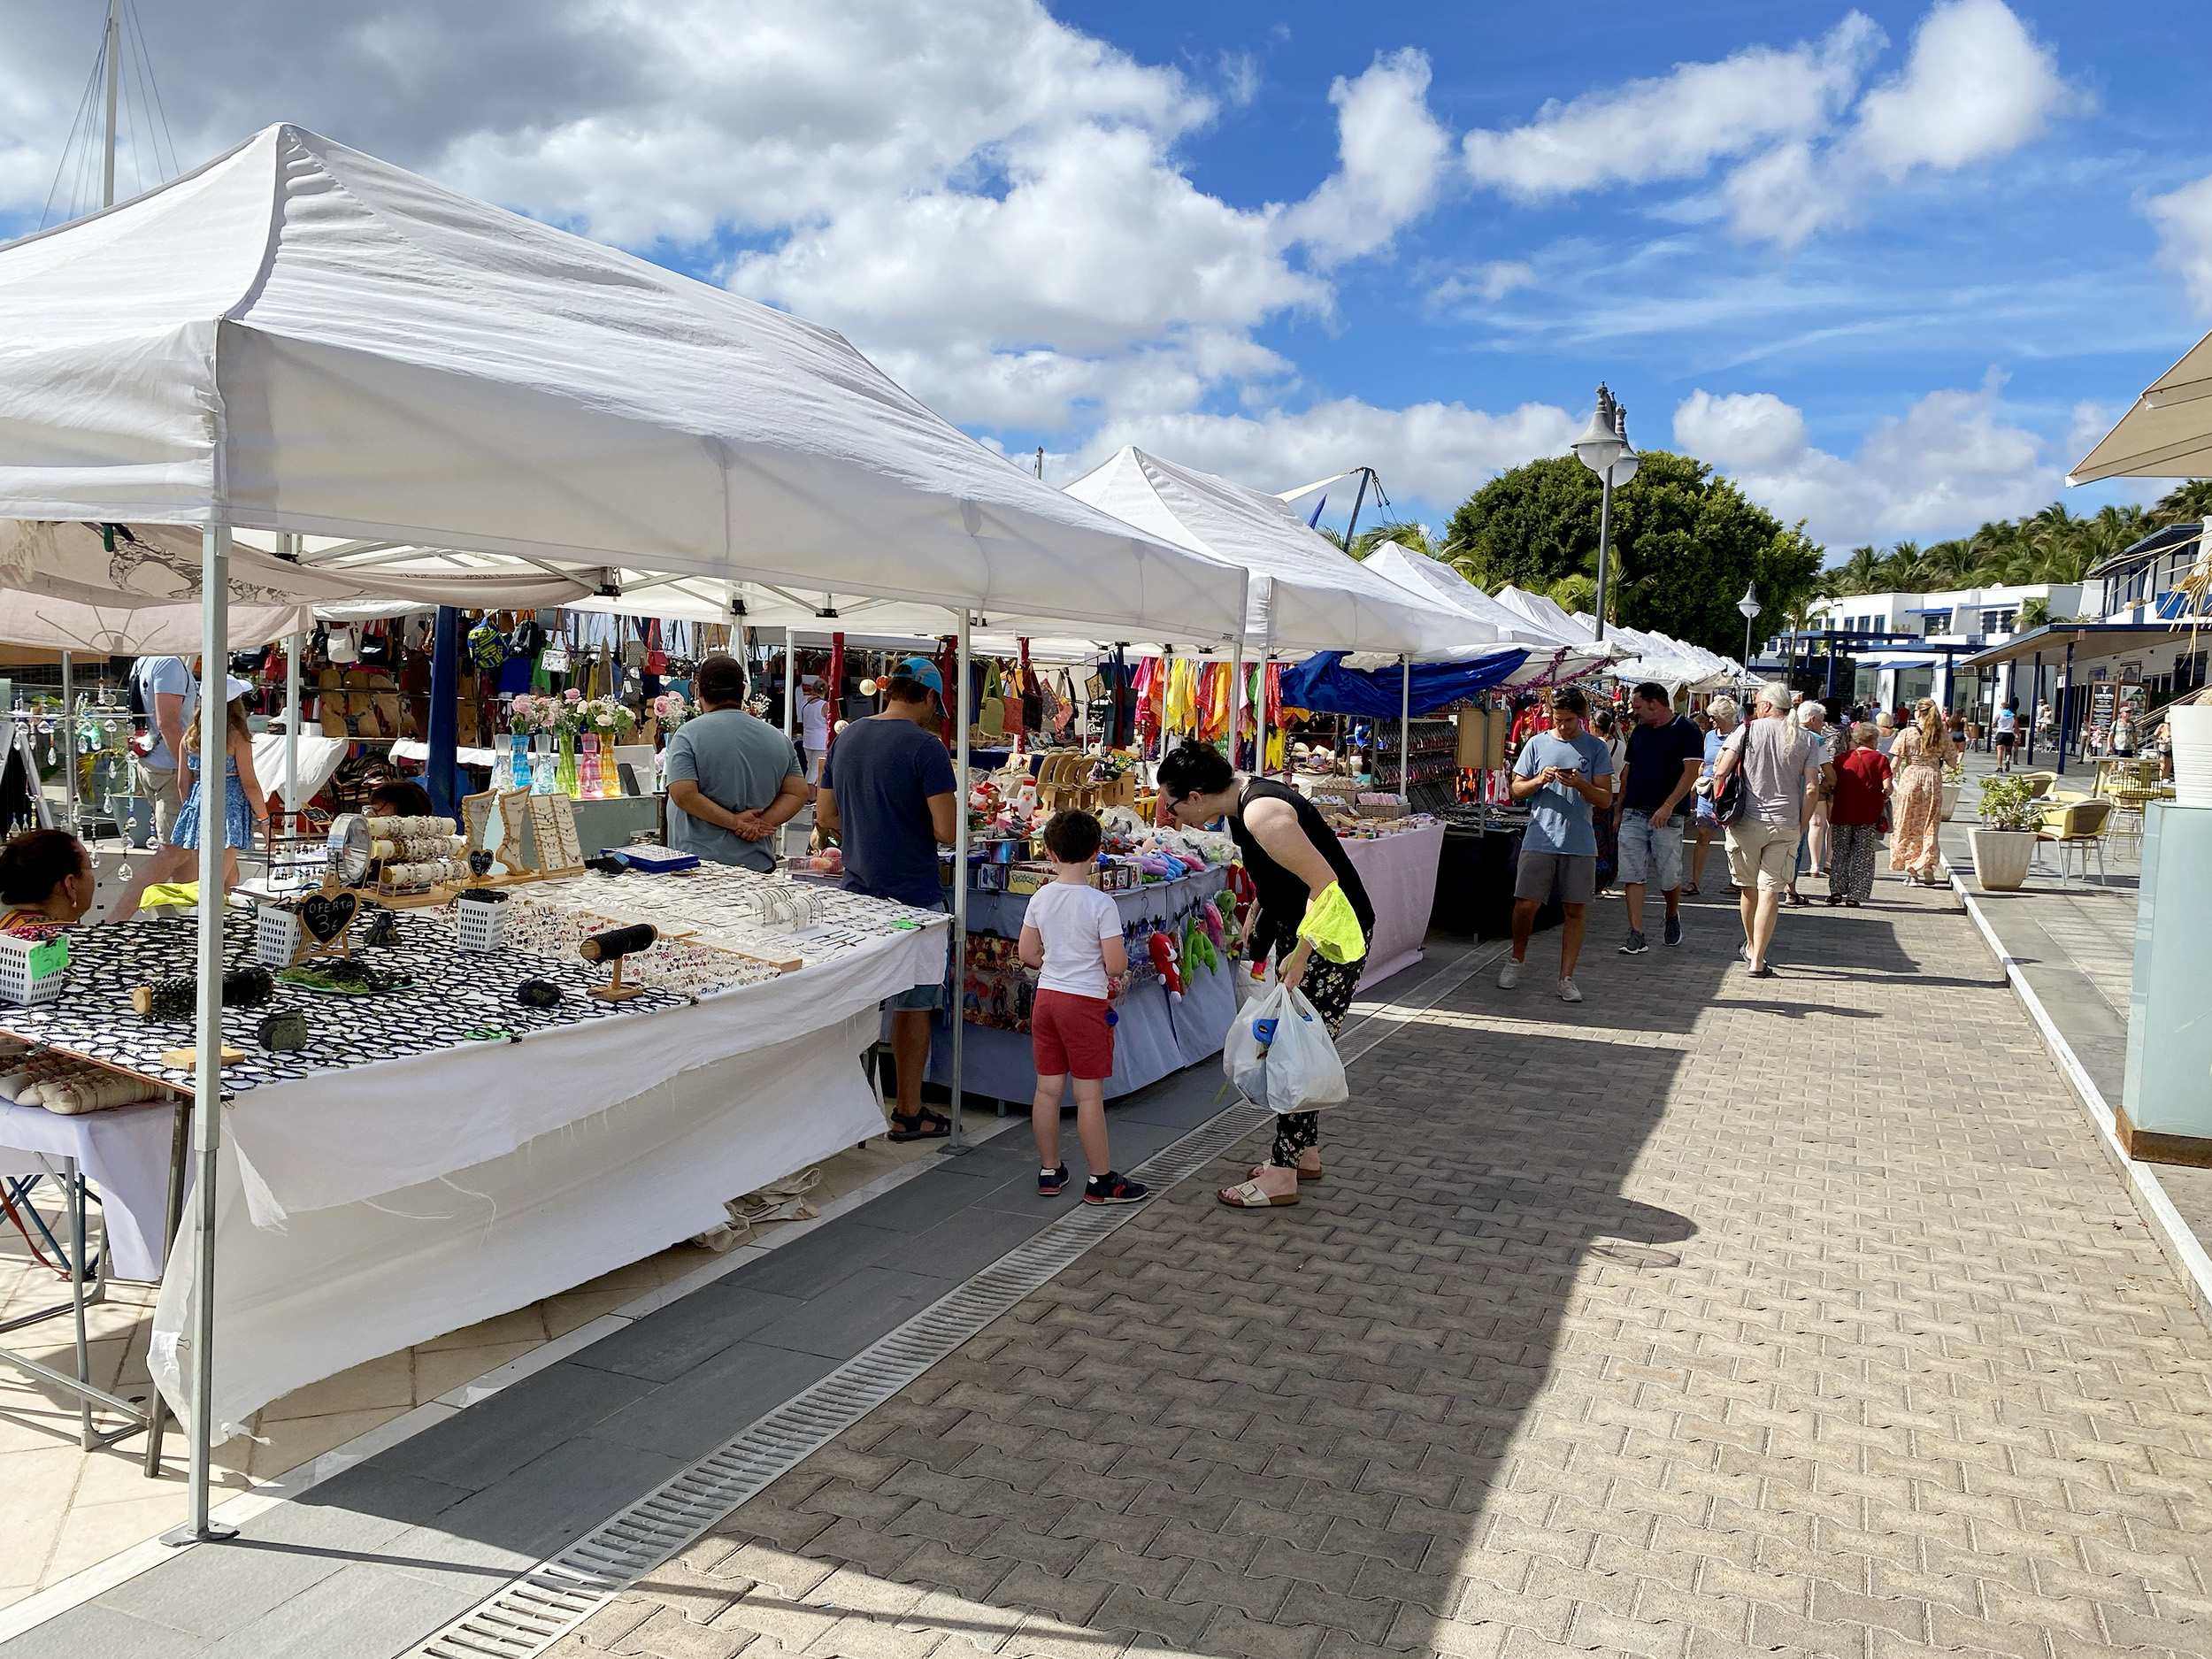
(1891, 266)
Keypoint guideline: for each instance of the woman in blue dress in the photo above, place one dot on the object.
(245, 809)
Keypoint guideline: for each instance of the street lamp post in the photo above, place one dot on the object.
(1749, 605)
(1603, 447)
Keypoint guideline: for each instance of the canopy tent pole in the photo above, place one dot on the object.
(1405, 728)
(2035, 706)
(445, 717)
(2065, 707)
(790, 699)
(1236, 700)
(292, 646)
(958, 1143)
(207, 1076)
(69, 739)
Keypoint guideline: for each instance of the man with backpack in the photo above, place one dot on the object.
(1765, 784)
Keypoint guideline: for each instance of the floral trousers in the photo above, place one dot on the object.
(1329, 987)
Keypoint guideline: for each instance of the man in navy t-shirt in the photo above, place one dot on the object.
(890, 795)
(1666, 752)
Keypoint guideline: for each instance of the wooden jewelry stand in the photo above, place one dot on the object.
(614, 990)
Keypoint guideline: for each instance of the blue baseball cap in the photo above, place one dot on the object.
(923, 671)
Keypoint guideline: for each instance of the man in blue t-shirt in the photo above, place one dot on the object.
(890, 795)
(1562, 774)
(170, 696)
(1666, 752)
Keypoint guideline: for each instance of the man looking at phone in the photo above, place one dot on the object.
(1562, 774)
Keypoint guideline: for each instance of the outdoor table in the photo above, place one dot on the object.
(1399, 873)
(441, 1154)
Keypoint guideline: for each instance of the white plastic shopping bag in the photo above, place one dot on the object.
(1279, 1055)
(1253, 980)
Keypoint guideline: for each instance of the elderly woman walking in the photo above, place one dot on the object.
(1854, 815)
(1917, 763)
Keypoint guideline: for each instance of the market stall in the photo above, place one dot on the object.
(331, 347)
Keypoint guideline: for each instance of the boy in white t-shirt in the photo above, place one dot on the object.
(1073, 933)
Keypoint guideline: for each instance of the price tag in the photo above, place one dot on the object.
(49, 956)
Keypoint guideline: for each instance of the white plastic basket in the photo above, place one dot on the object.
(480, 924)
(276, 936)
(17, 983)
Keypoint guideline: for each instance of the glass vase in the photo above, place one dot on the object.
(565, 777)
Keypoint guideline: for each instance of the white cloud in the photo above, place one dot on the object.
(1976, 86)
(1799, 157)
(1434, 451)
(2184, 218)
(1677, 126)
(1490, 281)
(1948, 462)
(1392, 152)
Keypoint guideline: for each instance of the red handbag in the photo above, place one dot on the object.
(656, 658)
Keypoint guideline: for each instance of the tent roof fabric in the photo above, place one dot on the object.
(299, 337)
(1316, 596)
(2169, 432)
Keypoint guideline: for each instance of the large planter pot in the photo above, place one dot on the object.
(2191, 725)
(2002, 858)
(1951, 799)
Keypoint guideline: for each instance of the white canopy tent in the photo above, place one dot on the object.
(1553, 656)
(297, 338)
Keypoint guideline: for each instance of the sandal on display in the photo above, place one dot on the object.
(923, 1126)
(1252, 1196)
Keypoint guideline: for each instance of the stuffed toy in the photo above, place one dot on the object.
(1165, 963)
(1209, 919)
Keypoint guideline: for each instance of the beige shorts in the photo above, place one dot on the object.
(1762, 855)
(159, 785)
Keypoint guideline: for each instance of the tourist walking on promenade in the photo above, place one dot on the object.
(2005, 732)
(1885, 732)
(1562, 774)
(1605, 725)
(1664, 755)
(1781, 780)
(1854, 817)
(1917, 766)
(1811, 716)
(1310, 913)
(1723, 711)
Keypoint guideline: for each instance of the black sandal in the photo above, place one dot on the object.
(924, 1125)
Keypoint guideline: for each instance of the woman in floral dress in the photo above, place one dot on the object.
(1922, 750)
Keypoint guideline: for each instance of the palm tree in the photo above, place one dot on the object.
(1898, 566)
(1946, 566)
(1859, 573)
(1405, 531)
(2185, 503)
(1574, 595)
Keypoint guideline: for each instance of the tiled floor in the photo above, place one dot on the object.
(63, 1510)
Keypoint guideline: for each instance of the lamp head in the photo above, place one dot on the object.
(1749, 603)
(1600, 446)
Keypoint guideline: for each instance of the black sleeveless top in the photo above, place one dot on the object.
(1283, 896)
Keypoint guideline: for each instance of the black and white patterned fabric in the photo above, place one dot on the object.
(455, 993)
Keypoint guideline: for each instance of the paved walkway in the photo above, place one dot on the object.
(1711, 1316)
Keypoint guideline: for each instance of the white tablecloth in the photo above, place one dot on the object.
(1399, 873)
(396, 1202)
(124, 1153)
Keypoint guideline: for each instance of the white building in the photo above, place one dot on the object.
(1876, 634)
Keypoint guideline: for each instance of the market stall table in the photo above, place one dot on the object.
(1398, 869)
(1154, 1036)
(442, 1154)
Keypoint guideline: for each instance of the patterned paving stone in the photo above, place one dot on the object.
(1713, 1317)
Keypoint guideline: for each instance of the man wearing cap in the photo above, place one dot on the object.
(733, 781)
(890, 795)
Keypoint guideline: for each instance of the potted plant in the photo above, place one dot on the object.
(2005, 848)
(1953, 782)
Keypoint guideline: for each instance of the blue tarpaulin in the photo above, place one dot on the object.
(1323, 684)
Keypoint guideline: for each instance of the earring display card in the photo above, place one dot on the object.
(553, 826)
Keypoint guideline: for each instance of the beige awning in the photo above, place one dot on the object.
(2169, 432)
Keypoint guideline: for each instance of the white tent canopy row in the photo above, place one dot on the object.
(297, 337)
(301, 340)
(1307, 594)
(2169, 432)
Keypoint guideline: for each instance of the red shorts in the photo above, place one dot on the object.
(1070, 1036)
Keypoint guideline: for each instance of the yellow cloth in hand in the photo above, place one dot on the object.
(186, 893)
(1332, 926)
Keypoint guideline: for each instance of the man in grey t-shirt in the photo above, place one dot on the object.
(733, 780)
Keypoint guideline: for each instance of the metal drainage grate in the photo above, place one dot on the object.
(538, 1609)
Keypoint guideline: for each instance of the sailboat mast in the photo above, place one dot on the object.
(114, 52)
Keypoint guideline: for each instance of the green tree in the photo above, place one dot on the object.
(1405, 532)
(2190, 502)
(1859, 573)
(1685, 543)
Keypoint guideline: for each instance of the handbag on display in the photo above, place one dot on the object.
(343, 647)
(634, 649)
(555, 661)
(656, 658)
(486, 646)
(376, 645)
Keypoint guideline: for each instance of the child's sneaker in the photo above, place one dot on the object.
(1050, 1181)
(1111, 1188)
